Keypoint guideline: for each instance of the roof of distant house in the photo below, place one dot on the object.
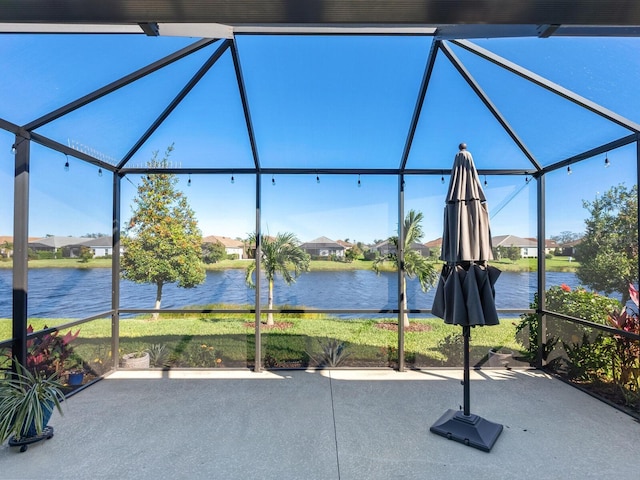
(513, 241)
(572, 244)
(226, 241)
(58, 242)
(548, 243)
(413, 246)
(97, 242)
(344, 244)
(437, 243)
(323, 241)
(9, 239)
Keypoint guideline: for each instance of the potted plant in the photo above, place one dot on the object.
(500, 357)
(27, 400)
(75, 374)
(136, 360)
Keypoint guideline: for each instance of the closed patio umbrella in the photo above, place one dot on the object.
(465, 294)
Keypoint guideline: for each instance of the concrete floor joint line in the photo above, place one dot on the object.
(335, 430)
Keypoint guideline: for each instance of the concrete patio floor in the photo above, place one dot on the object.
(325, 425)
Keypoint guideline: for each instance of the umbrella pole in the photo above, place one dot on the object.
(463, 427)
(466, 248)
(466, 333)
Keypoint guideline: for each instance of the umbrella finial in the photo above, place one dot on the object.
(462, 146)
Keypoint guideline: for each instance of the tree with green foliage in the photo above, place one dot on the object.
(608, 252)
(213, 252)
(280, 255)
(566, 237)
(6, 249)
(353, 253)
(415, 265)
(86, 254)
(512, 253)
(95, 235)
(162, 242)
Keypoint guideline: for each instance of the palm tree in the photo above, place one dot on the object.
(279, 255)
(415, 265)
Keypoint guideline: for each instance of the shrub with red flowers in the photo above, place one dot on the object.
(607, 364)
(626, 351)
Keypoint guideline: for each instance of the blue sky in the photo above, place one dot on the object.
(316, 102)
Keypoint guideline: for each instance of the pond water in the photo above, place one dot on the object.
(76, 293)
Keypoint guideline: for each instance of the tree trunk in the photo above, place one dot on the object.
(626, 296)
(156, 315)
(270, 303)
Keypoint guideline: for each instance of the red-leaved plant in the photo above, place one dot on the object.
(626, 350)
(49, 352)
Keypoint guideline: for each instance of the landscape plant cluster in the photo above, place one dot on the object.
(608, 364)
(301, 340)
(58, 354)
(49, 353)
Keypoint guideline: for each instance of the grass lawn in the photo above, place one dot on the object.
(215, 340)
(63, 263)
(555, 264)
(315, 265)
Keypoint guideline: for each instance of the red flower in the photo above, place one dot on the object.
(565, 287)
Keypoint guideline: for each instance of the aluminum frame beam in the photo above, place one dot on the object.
(621, 142)
(638, 184)
(20, 248)
(245, 104)
(401, 273)
(326, 12)
(257, 367)
(132, 77)
(422, 93)
(115, 268)
(66, 150)
(488, 103)
(314, 171)
(175, 102)
(548, 85)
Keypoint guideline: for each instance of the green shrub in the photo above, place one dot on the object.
(587, 360)
(370, 255)
(577, 303)
(86, 254)
(158, 355)
(200, 356)
(452, 347)
(333, 353)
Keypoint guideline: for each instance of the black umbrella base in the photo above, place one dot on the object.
(471, 430)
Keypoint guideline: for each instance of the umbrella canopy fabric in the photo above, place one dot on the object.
(467, 235)
(465, 294)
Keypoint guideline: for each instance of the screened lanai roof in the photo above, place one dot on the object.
(399, 98)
